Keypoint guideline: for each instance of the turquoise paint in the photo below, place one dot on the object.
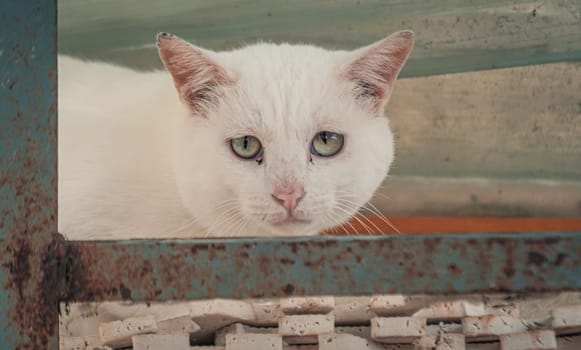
(28, 201)
(342, 265)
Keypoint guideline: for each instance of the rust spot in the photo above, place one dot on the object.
(509, 270)
(560, 259)
(537, 259)
(431, 244)
(289, 289)
(125, 292)
(314, 263)
(197, 247)
(454, 270)
(286, 261)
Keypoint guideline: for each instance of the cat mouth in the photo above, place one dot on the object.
(291, 220)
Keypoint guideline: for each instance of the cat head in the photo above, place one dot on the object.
(281, 139)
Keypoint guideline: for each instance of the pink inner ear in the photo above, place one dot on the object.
(375, 71)
(195, 75)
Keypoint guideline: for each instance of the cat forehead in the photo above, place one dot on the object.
(284, 86)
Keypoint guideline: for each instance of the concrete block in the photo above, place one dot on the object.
(334, 341)
(239, 328)
(352, 310)
(490, 327)
(211, 315)
(511, 310)
(533, 340)
(441, 342)
(359, 331)
(391, 305)
(72, 343)
(267, 313)
(177, 325)
(397, 329)
(444, 327)
(161, 341)
(569, 342)
(117, 334)
(307, 305)
(567, 319)
(303, 325)
(451, 310)
(253, 342)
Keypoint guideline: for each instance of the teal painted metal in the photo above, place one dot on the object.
(28, 200)
(344, 265)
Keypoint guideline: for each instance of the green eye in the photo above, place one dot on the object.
(246, 147)
(327, 144)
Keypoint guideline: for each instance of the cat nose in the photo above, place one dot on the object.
(289, 197)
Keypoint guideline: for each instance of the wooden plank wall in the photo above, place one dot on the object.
(502, 142)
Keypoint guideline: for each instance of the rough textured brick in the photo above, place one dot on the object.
(569, 342)
(161, 342)
(444, 327)
(212, 315)
(398, 329)
(441, 342)
(533, 340)
(503, 310)
(451, 310)
(238, 328)
(490, 327)
(334, 341)
(391, 305)
(118, 334)
(567, 319)
(267, 313)
(177, 325)
(307, 305)
(350, 310)
(72, 343)
(359, 331)
(303, 325)
(253, 342)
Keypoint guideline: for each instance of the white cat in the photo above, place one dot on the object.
(266, 140)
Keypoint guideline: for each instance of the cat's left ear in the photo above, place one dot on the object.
(197, 77)
(374, 69)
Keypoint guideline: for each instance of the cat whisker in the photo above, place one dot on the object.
(362, 217)
(334, 223)
(374, 210)
(354, 206)
(347, 212)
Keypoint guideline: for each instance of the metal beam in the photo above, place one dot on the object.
(145, 270)
(28, 157)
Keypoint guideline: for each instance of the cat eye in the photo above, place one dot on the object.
(327, 144)
(246, 147)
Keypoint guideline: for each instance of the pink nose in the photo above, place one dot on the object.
(289, 197)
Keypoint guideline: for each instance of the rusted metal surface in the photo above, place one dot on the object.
(255, 268)
(28, 201)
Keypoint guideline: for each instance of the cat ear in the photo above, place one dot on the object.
(196, 76)
(375, 68)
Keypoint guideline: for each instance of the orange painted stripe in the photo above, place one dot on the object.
(424, 224)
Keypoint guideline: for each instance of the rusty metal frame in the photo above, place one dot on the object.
(39, 268)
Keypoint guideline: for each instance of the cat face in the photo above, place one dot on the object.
(286, 140)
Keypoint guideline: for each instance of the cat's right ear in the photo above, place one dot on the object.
(196, 75)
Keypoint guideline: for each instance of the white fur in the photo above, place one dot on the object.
(135, 163)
